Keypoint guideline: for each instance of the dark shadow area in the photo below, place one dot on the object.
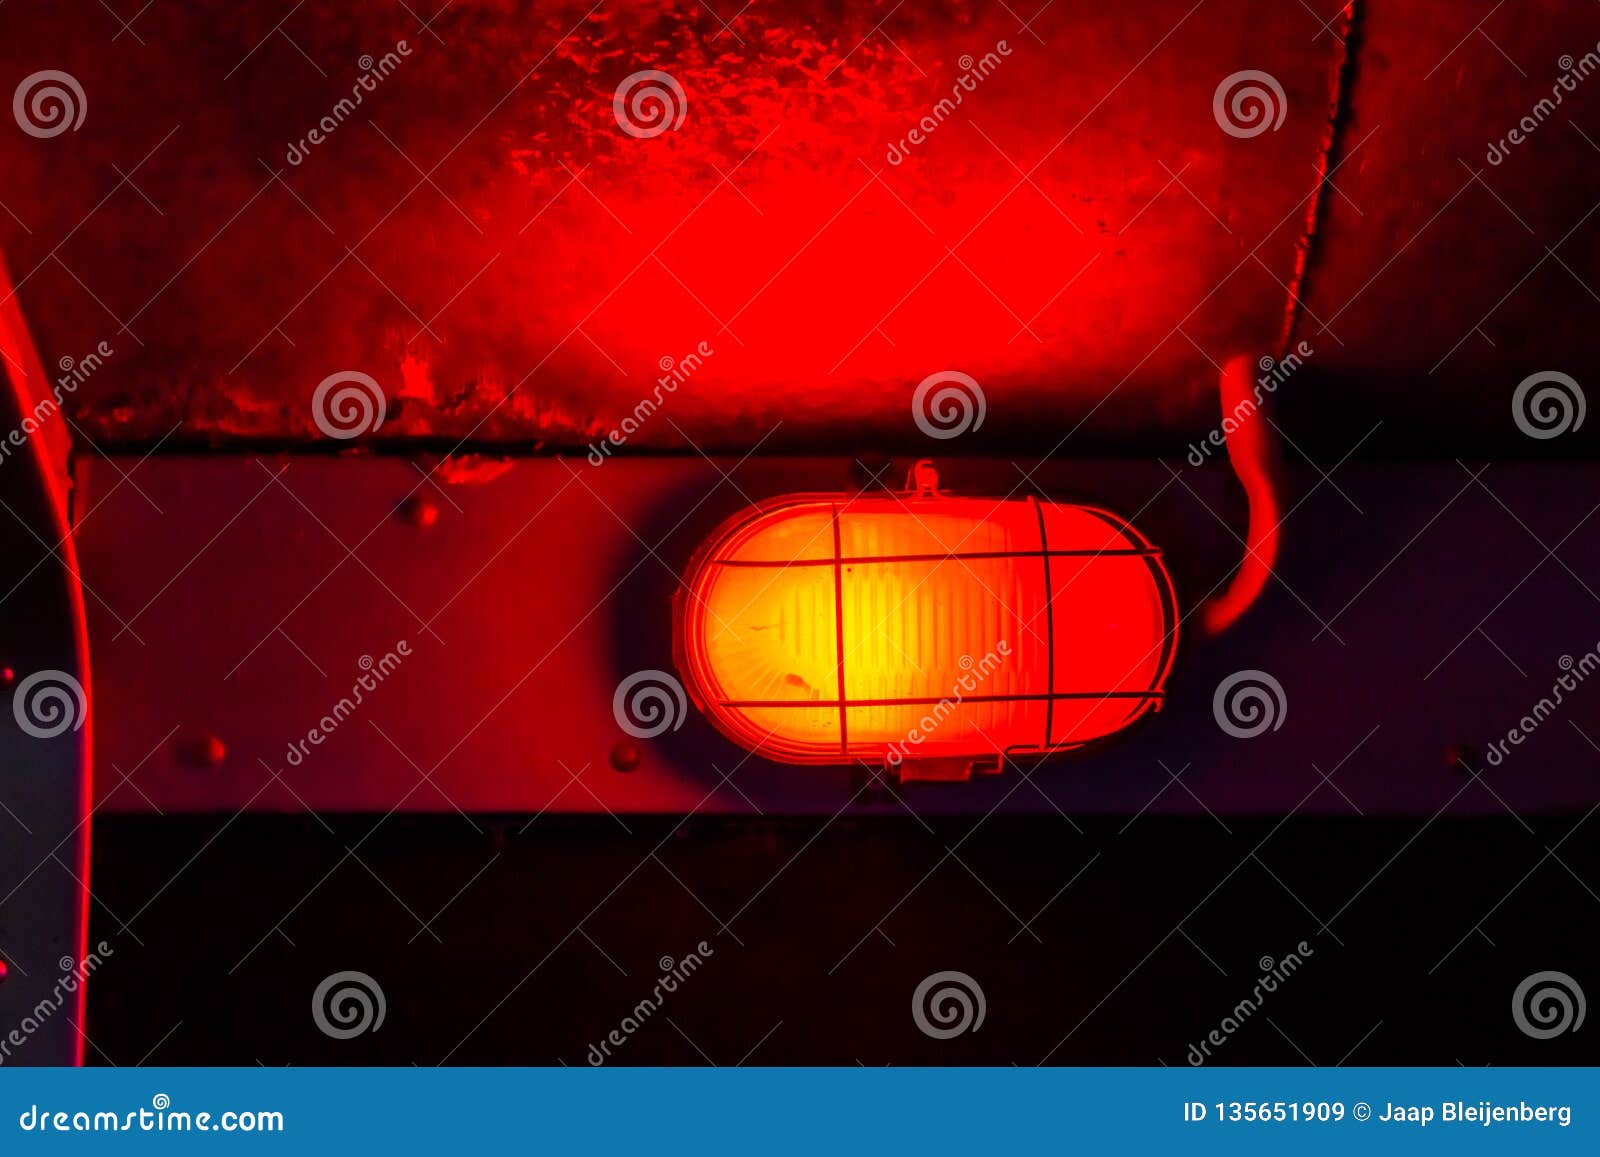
(1094, 940)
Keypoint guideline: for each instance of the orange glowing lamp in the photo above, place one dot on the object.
(925, 633)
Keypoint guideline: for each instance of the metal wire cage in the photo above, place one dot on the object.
(923, 632)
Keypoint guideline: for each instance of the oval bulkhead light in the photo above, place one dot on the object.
(921, 632)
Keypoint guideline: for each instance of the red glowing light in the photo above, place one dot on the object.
(918, 629)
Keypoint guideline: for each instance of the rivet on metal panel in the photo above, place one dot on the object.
(418, 511)
(202, 752)
(1462, 757)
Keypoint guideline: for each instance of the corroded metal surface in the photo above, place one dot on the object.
(857, 196)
